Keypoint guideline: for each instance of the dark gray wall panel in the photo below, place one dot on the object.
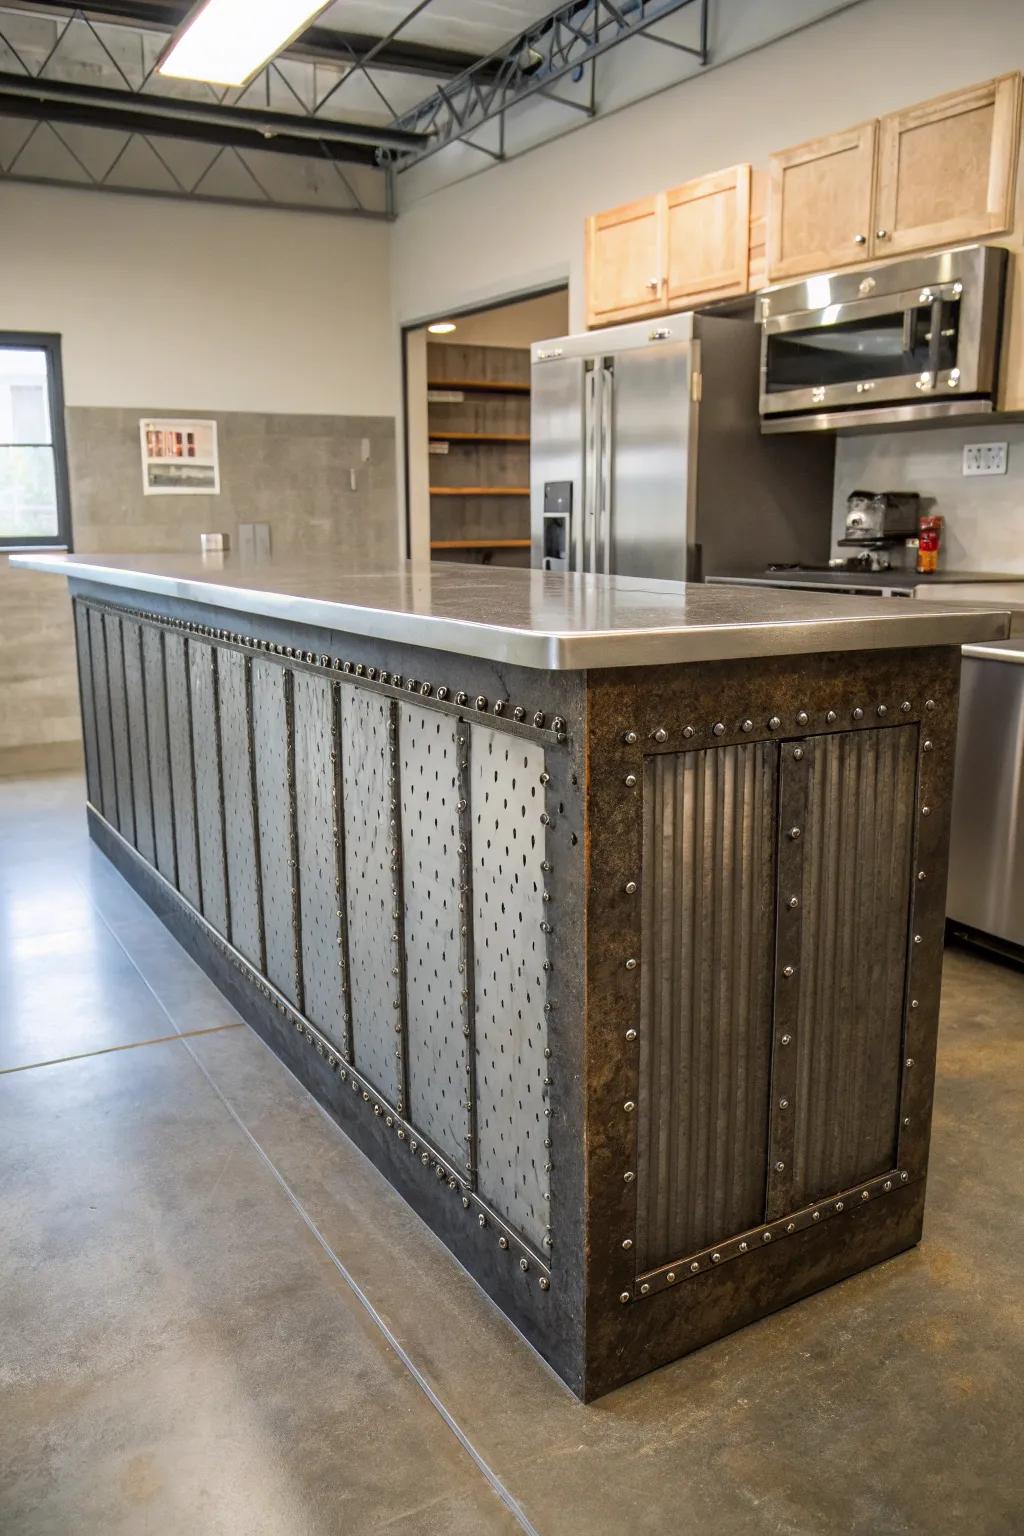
(131, 635)
(436, 1010)
(370, 851)
(104, 727)
(239, 806)
(209, 800)
(119, 726)
(83, 649)
(179, 708)
(706, 975)
(159, 751)
(274, 816)
(509, 952)
(318, 818)
(857, 851)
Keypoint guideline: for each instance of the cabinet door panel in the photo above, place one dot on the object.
(707, 231)
(946, 168)
(820, 203)
(625, 258)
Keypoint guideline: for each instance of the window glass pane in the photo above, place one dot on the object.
(24, 398)
(28, 493)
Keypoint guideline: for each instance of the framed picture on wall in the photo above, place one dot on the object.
(179, 457)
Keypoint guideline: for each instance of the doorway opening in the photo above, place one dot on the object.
(467, 429)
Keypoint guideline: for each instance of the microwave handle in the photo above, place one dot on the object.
(935, 345)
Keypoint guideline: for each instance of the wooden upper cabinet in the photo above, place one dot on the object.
(820, 201)
(946, 168)
(625, 261)
(707, 236)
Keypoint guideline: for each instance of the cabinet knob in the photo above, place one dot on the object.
(881, 234)
(860, 239)
(654, 282)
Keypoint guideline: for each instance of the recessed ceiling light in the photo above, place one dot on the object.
(441, 327)
(227, 41)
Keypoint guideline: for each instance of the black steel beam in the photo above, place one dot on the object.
(318, 45)
(168, 114)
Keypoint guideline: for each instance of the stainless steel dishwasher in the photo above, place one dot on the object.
(986, 855)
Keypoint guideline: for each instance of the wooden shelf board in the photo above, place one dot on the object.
(479, 437)
(507, 389)
(479, 543)
(479, 490)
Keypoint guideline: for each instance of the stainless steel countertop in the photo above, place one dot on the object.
(882, 580)
(530, 618)
(999, 650)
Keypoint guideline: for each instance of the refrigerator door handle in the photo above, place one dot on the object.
(607, 446)
(587, 531)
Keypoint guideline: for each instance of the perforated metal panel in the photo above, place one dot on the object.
(138, 744)
(371, 850)
(317, 819)
(436, 994)
(706, 1009)
(86, 693)
(511, 1034)
(857, 848)
(159, 751)
(270, 717)
(119, 726)
(209, 803)
(104, 728)
(179, 708)
(239, 805)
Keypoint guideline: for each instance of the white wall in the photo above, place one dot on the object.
(230, 309)
(520, 224)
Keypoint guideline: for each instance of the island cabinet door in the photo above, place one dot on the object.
(775, 934)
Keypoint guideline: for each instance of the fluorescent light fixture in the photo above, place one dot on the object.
(441, 327)
(227, 41)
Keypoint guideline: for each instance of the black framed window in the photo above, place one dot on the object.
(34, 502)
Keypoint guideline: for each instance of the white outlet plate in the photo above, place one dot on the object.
(985, 458)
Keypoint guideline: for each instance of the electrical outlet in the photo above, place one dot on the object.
(984, 458)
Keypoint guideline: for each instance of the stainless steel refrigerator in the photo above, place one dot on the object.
(647, 457)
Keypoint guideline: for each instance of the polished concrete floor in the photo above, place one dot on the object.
(216, 1317)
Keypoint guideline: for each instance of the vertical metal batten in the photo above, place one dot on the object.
(87, 700)
(794, 769)
(219, 756)
(251, 734)
(158, 738)
(338, 805)
(322, 929)
(208, 785)
(104, 727)
(467, 965)
(138, 739)
(398, 900)
(271, 760)
(293, 835)
(119, 726)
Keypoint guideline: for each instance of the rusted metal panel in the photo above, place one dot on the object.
(138, 738)
(437, 996)
(157, 734)
(119, 725)
(87, 698)
(209, 794)
(240, 836)
(510, 953)
(372, 852)
(318, 827)
(104, 727)
(857, 845)
(705, 1032)
(271, 717)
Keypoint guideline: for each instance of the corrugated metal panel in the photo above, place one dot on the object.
(159, 750)
(706, 965)
(209, 801)
(318, 833)
(104, 729)
(137, 738)
(183, 792)
(119, 724)
(88, 700)
(509, 951)
(436, 993)
(270, 718)
(857, 853)
(239, 805)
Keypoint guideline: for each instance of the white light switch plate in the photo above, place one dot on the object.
(984, 458)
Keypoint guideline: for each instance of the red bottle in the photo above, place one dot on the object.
(929, 538)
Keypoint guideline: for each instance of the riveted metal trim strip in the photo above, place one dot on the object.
(794, 767)
(138, 740)
(250, 730)
(433, 1161)
(338, 828)
(467, 961)
(746, 1244)
(398, 900)
(293, 835)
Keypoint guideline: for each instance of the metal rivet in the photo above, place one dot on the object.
(921, 874)
(904, 1176)
(801, 718)
(660, 734)
(631, 965)
(630, 781)
(917, 938)
(905, 707)
(624, 1297)
(794, 833)
(840, 1206)
(766, 1237)
(815, 1215)
(791, 1226)
(644, 1289)
(694, 1267)
(718, 729)
(502, 1242)
(882, 711)
(831, 717)
(630, 738)
(630, 1034)
(780, 1167)
(906, 1120)
(743, 1247)
(787, 970)
(783, 1103)
(544, 1283)
(927, 746)
(687, 731)
(629, 1176)
(929, 703)
(627, 1243)
(748, 725)
(914, 1003)
(629, 1106)
(785, 1039)
(794, 901)
(630, 887)
(910, 1061)
(524, 1265)
(926, 810)
(887, 1185)
(716, 1258)
(865, 1194)
(774, 723)
(798, 753)
(858, 713)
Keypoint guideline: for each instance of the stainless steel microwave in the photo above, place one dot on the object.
(897, 343)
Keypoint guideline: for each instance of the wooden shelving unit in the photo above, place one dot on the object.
(479, 444)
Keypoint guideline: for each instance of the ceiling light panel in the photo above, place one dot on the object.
(227, 41)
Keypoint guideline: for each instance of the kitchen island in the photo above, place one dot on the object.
(604, 915)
